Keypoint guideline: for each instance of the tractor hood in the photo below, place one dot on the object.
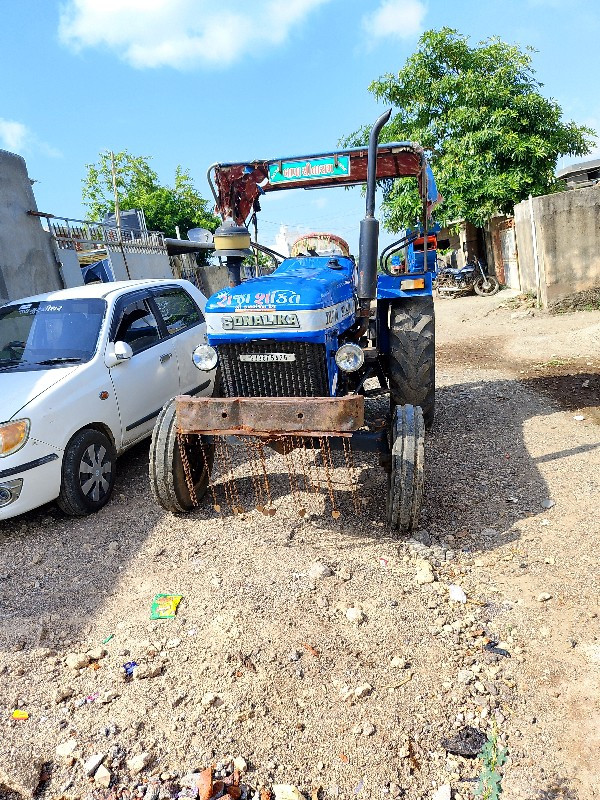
(298, 283)
(303, 295)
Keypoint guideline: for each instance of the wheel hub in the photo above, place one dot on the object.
(94, 472)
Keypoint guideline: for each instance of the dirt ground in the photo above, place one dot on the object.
(325, 653)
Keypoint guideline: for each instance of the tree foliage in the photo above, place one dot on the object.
(164, 207)
(491, 137)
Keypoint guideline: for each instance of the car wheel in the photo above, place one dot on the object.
(88, 473)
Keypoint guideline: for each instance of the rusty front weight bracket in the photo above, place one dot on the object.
(270, 417)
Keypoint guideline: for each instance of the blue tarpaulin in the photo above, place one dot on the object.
(98, 271)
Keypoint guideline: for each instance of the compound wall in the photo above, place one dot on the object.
(27, 262)
(567, 229)
(134, 266)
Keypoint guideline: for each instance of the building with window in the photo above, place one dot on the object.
(577, 176)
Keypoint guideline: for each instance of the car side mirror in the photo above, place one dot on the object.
(116, 353)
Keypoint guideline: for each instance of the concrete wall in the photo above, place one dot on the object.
(70, 268)
(212, 278)
(567, 226)
(27, 262)
(140, 265)
(209, 278)
(525, 247)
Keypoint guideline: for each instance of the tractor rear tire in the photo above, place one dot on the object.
(405, 482)
(412, 355)
(167, 474)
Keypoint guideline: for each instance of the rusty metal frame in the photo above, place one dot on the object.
(237, 186)
(270, 417)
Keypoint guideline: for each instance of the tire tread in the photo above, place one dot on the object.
(70, 500)
(405, 486)
(412, 355)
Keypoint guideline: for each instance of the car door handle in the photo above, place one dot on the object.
(165, 357)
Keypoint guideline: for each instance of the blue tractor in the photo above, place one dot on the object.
(294, 349)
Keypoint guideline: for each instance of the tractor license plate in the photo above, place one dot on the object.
(262, 357)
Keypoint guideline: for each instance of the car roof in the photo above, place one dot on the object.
(102, 290)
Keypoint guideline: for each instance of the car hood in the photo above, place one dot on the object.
(17, 389)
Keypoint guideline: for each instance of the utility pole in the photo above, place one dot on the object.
(117, 211)
(114, 183)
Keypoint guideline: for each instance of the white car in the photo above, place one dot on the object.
(84, 373)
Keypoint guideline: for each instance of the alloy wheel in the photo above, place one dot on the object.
(95, 470)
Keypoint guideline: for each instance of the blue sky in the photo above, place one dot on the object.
(192, 82)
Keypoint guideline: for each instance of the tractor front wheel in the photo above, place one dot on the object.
(179, 469)
(405, 482)
(412, 355)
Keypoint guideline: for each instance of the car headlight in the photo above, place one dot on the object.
(349, 357)
(13, 436)
(205, 357)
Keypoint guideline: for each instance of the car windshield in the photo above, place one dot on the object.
(49, 333)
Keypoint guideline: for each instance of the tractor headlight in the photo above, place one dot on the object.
(205, 357)
(13, 436)
(349, 357)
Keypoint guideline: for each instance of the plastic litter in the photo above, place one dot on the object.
(492, 647)
(91, 698)
(129, 667)
(108, 638)
(467, 742)
(18, 714)
(164, 606)
(457, 595)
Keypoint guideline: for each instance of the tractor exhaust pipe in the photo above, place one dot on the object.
(368, 244)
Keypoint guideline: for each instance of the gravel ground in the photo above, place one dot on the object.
(325, 653)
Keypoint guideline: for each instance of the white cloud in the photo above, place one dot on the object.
(13, 135)
(16, 137)
(397, 19)
(181, 33)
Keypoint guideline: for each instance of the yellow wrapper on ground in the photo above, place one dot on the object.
(164, 606)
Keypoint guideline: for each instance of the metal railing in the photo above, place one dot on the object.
(86, 237)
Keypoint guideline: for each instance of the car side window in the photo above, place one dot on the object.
(138, 327)
(177, 309)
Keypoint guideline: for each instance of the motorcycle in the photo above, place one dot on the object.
(472, 277)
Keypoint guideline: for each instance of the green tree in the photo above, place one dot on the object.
(491, 137)
(164, 207)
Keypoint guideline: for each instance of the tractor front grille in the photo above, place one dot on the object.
(306, 376)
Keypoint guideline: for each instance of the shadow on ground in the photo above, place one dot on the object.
(480, 481)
